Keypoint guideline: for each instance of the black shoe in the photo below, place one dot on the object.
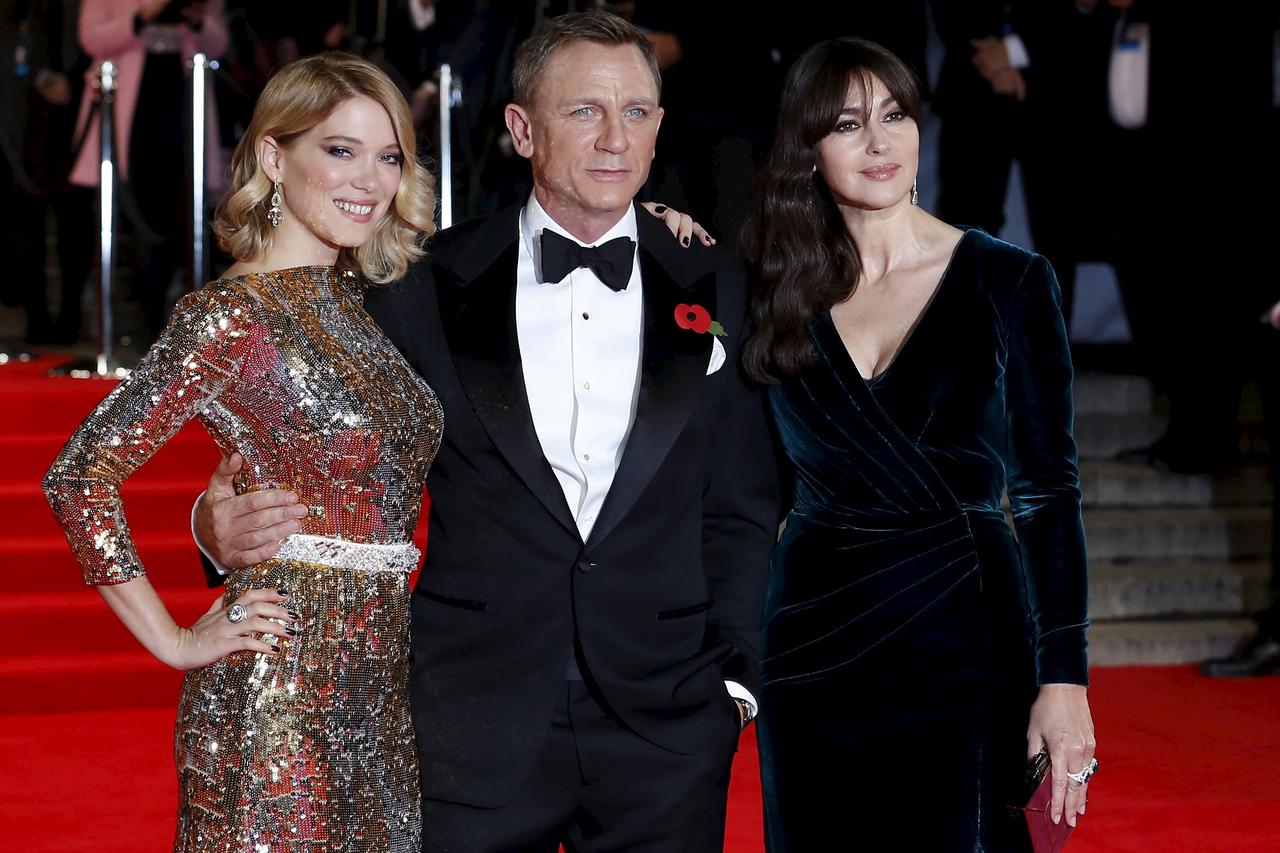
(1256, 655)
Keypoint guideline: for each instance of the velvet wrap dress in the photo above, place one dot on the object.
(907, 624)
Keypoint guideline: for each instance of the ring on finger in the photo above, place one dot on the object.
(237, 613)
(1082, 777)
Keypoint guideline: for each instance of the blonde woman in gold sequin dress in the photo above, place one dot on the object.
(293, 731)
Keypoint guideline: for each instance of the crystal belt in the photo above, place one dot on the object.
(341, 554)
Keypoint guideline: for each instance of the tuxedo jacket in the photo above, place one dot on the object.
(663, 600)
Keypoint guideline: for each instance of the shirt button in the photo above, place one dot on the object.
(586, 386)
(586, 457)
(586, 316)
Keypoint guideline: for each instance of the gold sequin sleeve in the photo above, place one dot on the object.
(195, 360)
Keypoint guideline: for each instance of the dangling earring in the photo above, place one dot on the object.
(274, 214)
(915, 194)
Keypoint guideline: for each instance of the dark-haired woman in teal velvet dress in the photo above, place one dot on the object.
(916, 650)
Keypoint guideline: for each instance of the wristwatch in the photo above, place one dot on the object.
(745, 711)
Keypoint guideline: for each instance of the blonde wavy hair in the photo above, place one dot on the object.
(299, 97)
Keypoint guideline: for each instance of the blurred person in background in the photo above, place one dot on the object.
(150, 42)
(477, 40)
(1259, 652)
(40, 69)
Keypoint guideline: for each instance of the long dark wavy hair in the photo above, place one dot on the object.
(801, 257)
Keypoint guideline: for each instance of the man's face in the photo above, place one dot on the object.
(590, 133)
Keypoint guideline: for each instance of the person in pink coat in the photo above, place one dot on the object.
(151, 43)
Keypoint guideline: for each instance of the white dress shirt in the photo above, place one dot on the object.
(580, 346)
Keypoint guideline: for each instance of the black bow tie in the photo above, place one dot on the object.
(611, 262)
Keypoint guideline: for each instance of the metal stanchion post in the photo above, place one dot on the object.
(104, 365)
(450, 98)
(199, 271)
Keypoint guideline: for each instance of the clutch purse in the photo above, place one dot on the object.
(1046, 836)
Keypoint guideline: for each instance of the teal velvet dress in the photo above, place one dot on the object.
(907, 627)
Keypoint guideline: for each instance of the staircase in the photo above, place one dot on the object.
(1176, 561)
(61, 648)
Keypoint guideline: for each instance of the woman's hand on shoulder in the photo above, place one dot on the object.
(681, 224)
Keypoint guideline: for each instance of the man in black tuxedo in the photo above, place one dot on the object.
(585, 628)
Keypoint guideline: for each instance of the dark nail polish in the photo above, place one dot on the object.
(686, 241)
(293, 614)
(662, 208)
(282, 591)
(292, 632)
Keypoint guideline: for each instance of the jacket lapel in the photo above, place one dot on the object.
(673, 366)
(478, 310)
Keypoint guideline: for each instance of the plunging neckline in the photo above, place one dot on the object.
(915, 325)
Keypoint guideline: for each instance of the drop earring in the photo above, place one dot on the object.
(915, 194)
(274, 214)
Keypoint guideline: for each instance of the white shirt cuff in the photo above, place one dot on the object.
(1018, 56)
(221, 569)
(737, 691)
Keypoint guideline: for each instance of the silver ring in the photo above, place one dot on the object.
(237, 613)
(1082, 778)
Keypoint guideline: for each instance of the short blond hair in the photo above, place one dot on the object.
(299, 97)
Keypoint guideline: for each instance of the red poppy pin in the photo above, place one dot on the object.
(696, 318)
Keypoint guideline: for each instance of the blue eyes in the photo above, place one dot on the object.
(587, 112)
(346, 154)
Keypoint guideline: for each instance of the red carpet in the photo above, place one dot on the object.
(86, 717)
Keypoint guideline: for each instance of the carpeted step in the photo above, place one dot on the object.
(1164, 641)
(45, 564)
(1178, 534)
(40, 405)
(1105, 393)
(71, 622)
(151, 506)
(88, 681)
(1152, 589)
(1102, 436)
(1114, 484)
(190, 454)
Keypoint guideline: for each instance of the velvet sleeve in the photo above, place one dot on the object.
(1043, 476)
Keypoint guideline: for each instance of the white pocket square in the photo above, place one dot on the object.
(717, 356)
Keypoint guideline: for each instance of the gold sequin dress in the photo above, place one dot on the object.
(312, 749)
